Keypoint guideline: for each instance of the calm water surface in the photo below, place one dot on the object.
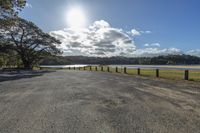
(177, 67)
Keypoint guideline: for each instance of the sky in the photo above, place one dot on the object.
(119, 27)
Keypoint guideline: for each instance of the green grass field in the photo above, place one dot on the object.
(167, 74)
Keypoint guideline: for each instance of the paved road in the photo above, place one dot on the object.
(96, 102)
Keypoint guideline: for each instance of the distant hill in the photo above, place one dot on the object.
(160, 60)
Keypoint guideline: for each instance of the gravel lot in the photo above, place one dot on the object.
(96, 102)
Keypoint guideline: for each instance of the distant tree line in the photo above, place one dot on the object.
(160, 60)
(55, 60)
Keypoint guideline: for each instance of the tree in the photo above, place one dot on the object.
(29, 41)
(10, 8)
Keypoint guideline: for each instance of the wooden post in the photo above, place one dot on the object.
(186, 76)
(125, 70)
(96, 68)
(108, 69)
(69, 68)
(138, 71)
(83, 68)
(116, 69)
(74, 68)
(157, 73)
(90, 68)
(102, 68)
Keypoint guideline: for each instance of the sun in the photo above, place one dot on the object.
(76, 18)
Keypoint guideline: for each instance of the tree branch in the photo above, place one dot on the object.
(13, 38)
(23, 32)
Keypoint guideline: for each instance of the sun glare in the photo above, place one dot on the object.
(76, 18)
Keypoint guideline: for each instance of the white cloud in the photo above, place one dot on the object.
(194, 52)
(146, 45)
(100, 39)
(28, 5)
(152, 45)
(148, 32)
(135, 32)
(145, 32)
(151, 52)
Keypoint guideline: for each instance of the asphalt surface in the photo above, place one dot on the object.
(96, 102)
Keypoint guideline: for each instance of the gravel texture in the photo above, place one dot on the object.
(96, 102)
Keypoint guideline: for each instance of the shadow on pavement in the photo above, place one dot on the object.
(19, 74)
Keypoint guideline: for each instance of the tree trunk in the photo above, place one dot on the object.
(26, 63)
(27, 58)
(27, 66)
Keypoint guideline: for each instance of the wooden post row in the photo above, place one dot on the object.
(157, 73)
(138, 70)
(186, 75)
(125, 70)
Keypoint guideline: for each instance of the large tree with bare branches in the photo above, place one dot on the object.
(29, 41)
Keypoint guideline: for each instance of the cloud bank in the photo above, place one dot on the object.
(194, 52)
(102, 40)
(152, 52)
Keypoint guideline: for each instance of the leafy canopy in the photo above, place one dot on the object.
(28, 40)
(10, 8)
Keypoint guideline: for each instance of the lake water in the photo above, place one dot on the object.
(176, 67)
(62, 66)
